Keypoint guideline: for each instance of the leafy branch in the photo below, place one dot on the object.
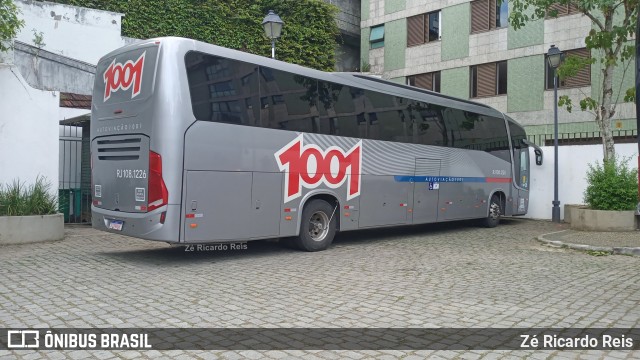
(10, 24)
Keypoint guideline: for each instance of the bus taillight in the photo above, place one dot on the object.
(158, 194)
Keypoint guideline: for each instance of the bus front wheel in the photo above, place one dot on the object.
(317, 226)
(495, 212)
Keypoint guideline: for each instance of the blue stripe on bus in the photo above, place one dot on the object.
(418, 179)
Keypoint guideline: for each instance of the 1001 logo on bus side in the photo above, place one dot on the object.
(310, 166)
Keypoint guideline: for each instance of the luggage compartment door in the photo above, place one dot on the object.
(231, 206)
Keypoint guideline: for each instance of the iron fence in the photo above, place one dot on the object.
(74, 193)
(584, 138)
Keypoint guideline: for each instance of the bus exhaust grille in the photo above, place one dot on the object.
(137, 148)
(120, 141)
(119, 149)
(124, 157)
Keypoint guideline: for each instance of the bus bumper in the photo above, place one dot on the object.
(140, 225)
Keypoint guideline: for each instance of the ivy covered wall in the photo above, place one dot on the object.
(308, 36)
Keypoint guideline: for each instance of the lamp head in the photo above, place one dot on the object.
(272, 25)
(554, 57)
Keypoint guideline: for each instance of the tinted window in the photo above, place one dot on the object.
(477, 132)
(387, 117)
(428, 125)
(517, 136)
(342, 108)
(229, 91)
(222, 90)
(288, 101)
(520, 155)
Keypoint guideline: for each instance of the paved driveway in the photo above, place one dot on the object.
(447, 275)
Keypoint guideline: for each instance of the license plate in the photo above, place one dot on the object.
(116, 224)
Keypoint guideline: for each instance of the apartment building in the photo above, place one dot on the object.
(469, 50)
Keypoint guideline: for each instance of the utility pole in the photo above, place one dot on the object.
(638, 102)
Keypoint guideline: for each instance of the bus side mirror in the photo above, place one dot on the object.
(536, 150)
(538, 153)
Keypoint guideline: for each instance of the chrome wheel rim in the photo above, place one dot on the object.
(318, 226)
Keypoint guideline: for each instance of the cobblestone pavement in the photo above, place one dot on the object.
(446, 275)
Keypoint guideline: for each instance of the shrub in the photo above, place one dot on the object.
(611, 186)
(17, 199)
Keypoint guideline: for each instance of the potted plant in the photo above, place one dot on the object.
(611, 197)
(29, 213)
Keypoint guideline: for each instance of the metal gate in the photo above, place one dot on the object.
(74, 189)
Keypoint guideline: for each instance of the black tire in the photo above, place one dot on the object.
(317, 226)
(495, 212)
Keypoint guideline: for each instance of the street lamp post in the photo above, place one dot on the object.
(638, 109)
(555, 57)
(272, 25)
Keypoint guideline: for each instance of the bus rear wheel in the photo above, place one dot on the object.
(495, 212)
(317, 226)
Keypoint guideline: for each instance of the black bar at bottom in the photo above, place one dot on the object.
(322, 339)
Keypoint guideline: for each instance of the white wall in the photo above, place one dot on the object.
(29, 140)
(573, 164)
(79, 33)
(28, 130)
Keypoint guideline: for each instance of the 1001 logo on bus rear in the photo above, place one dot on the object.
(120, 76)
(310, 166)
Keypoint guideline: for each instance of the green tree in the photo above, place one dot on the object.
(10, 24)
(308, 36)
(613, 28)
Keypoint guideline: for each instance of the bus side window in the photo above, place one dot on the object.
(386, 117)
(339, 107)
(289, 102)
(428, 124)
(222, 90)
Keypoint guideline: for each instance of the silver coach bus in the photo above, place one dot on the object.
(195, 143)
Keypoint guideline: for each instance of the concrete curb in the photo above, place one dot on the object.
(15, 230)
(634, 251)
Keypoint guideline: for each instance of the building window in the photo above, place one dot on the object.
(428, 81)
(376, 39)
(424, 28)
(582, 78)
(557, 10)
(489, 79)
(501, 89)
(502, 13)
(488, 15)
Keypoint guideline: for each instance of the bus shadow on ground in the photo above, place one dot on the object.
(269, 248)
(402, 231)
(198, 253)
